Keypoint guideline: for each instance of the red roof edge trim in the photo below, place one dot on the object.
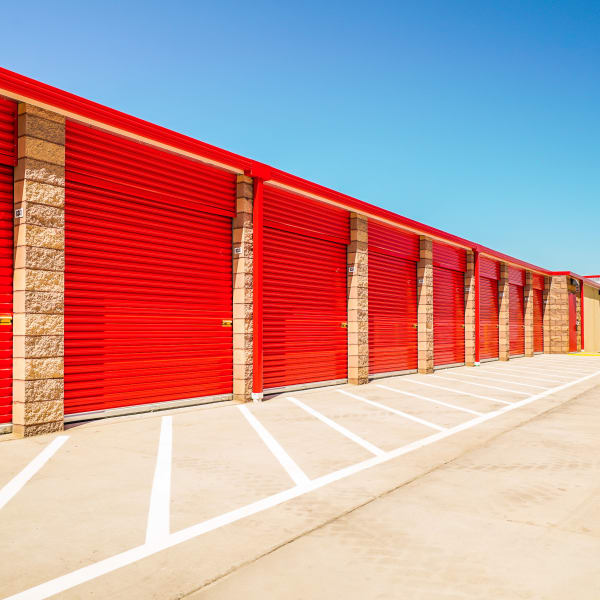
(46, 94)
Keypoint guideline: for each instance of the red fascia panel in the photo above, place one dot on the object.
(392, 241)
(489, 268)
(65, 101)
(449, 257)
(516, 276)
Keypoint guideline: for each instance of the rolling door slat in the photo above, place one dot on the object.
(148, 280)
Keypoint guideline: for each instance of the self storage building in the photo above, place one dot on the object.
(143, 269)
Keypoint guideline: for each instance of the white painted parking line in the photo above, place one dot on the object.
(18, 481)
(541, 375)
(339, 428)
(485, 377)
(95, 570)
(491, 387)
(285, 460)
(455, 391)
(446, 404)
(569, 368)
(159, 513)
(393, 410)
(552, 366)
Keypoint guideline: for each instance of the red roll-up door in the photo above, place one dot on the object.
(449, 265)
(572, 322)
(489, 273)
(148, 278)
(8, 132)
(304, 293)
(516, 280)
(393, 256)
(488, 318)
(538, 320)
(6, 291)
(8, 158)
(538, 283)
(517, 319)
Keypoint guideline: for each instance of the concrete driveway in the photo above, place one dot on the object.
(164, 505)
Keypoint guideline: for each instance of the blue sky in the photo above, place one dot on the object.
(481, 118)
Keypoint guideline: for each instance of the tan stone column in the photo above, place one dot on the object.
(558, 308)
(504, 313)
(38, 342)
(425, 305)
(242, 291)
(528, 313)
(470, 310)
(358, 300)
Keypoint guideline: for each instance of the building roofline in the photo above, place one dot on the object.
(19, 87)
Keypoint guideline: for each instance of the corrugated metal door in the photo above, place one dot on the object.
(305, 310)
(538, 321)
(516, 280)
(8, 155)
(572, 322)
(6, 291)
(393, 256)
(538, 312)
(8, 132)
(489, 273)
(148, 279)
(449, 265)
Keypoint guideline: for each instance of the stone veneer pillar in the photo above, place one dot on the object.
(242, 291)
(470, 310)
(528, 313)
(38, 327)
(504, 313)
(358, 301)
(425, 305)
(558, 309)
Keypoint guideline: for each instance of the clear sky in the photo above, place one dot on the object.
(477, 117)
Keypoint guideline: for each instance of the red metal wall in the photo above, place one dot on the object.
(304, 293)
(8, 157)
(8, 132)
(488, 318)
(448, 304)
(538, 320)
(572, 322)
(148, 278)
(6, 291)
(517, 319)
(489, 272)
(393, 256)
